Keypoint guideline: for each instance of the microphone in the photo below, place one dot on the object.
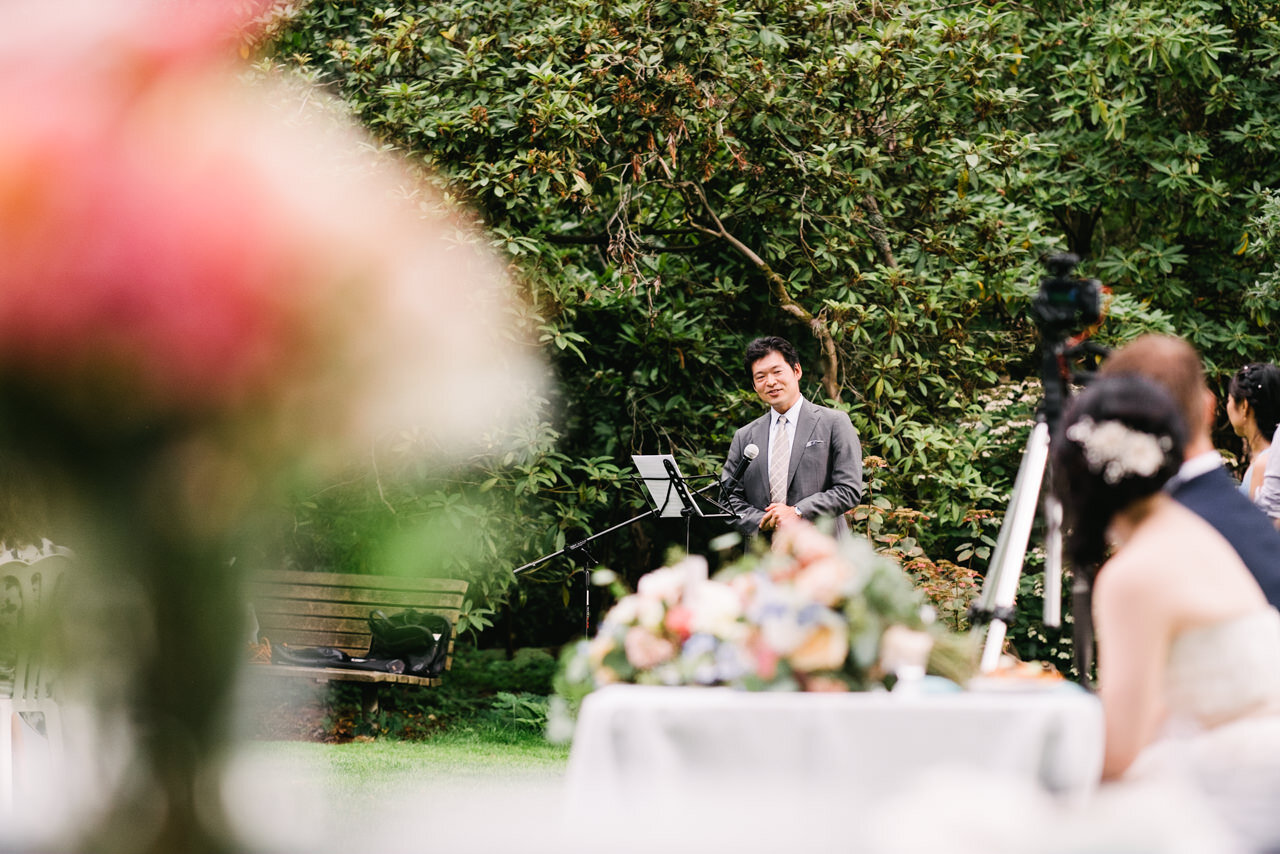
(749, 453)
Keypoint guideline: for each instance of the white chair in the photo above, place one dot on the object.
(28, 709)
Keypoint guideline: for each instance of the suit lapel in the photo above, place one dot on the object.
(806, 423)
(760, 473)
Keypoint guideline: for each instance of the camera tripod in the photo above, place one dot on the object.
(1062, 304)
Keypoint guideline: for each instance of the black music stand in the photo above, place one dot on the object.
(672, 498)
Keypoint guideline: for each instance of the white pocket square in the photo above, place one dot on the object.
(812, 442)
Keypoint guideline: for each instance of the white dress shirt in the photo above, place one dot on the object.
(792, 414)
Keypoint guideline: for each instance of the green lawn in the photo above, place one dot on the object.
(454, 754)
(381, 794)
(461, 751)
(366, 773)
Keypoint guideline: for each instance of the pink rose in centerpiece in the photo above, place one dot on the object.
(825, 580)
(646, 650)
(680, 622)
(744, 585)
(765, 656)
(825, 648)
(665, 585)
(805, 543)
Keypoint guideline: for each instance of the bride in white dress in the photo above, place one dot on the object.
(1188, 649)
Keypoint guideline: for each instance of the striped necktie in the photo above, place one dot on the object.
(778, 453)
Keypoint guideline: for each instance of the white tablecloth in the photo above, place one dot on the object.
(638, 745)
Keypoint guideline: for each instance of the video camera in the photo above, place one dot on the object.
(1065, 303)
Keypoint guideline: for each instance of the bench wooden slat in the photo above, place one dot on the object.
(318, 636)
(332, 674)
(292, 625)
(375, 582)
(348, 642)
(332, 625)
(316, 599)
(308, 609)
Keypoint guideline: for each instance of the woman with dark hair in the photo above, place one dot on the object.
(1188, 648)
(1253, 408)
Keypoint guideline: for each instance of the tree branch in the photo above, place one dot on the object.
(777, 286)
(879, 234)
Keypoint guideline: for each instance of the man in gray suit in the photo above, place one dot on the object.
(810, 459)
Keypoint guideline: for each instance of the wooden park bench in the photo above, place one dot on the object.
(325, 609)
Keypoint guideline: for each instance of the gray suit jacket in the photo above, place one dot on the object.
(825, 468)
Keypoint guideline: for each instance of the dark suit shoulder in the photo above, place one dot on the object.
(1214, 497)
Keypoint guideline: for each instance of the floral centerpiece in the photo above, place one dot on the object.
(811, 614)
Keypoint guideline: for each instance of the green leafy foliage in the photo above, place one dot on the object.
(1160, 131)
(524, 709)
(875, 181)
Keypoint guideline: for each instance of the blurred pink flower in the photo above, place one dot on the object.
(745, 586)
(665, 585)
(826, 580)
(646, 650)
(805, 543)
(825, 648)
(679, 621)
(766, 658)
(172, 248)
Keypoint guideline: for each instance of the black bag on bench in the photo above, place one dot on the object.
(327, 656)
(418, 638)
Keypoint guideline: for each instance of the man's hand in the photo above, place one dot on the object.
(776, 515)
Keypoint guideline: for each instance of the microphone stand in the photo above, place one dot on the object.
(681, 489)
(688, 510)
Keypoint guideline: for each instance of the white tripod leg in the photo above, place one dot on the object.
(1001, 585)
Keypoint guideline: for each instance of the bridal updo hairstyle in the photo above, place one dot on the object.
(1119, 441)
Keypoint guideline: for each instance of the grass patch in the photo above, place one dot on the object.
(454, 789)
(367, 773)
(463, 750)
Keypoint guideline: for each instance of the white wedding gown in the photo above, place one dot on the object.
(1223, 730)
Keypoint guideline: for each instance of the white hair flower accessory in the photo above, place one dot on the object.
(1115, 451)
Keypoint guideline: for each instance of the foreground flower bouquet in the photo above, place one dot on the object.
(210, 294)
(812, 614)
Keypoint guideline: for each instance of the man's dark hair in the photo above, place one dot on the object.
(761, 347)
